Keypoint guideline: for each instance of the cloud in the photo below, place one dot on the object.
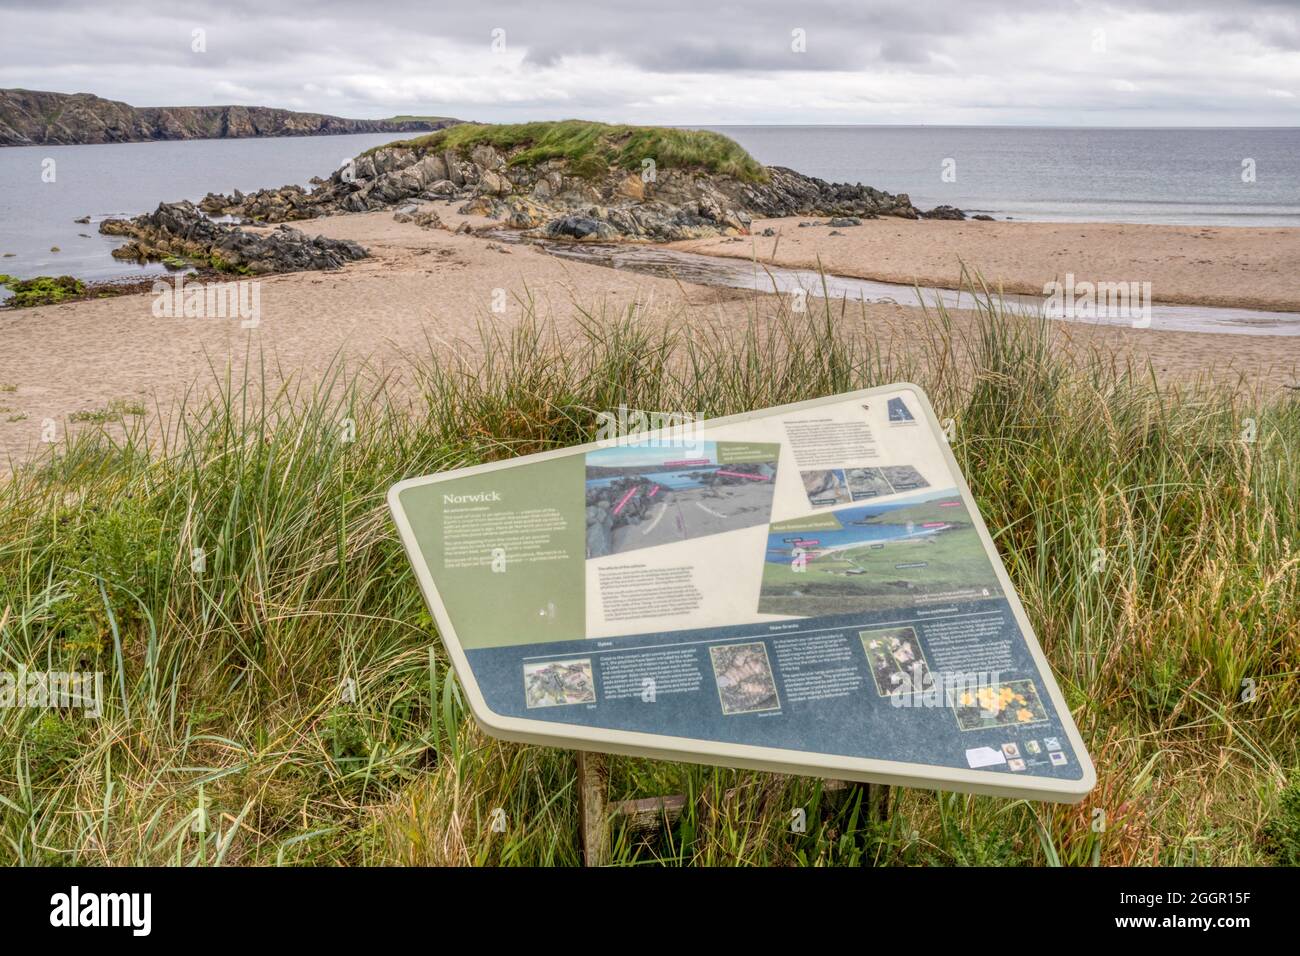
(682, 61)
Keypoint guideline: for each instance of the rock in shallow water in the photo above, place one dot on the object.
(180, 230)
(581, 228)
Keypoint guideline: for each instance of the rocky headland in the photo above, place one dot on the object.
(39, 118)
(567, 181)
(620, 183)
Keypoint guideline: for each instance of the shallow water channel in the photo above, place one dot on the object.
(746, 274)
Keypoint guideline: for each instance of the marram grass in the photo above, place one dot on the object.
(591, 149)
(291, 702)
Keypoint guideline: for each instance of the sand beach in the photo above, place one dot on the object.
(431, 290)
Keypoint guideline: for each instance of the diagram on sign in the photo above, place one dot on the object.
(639, 497)
(897, 554)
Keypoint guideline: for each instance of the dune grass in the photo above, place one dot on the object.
(592, 149)
(281, 696)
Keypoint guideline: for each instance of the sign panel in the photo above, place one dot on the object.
(806, 589)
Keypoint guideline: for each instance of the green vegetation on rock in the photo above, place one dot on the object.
(42, 290)
(221, 264)
(591, 149)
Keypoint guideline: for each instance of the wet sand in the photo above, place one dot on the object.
(1249, 268)
(427, 292)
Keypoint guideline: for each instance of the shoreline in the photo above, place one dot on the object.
(809, 243)
(431, 290)
(755, 244)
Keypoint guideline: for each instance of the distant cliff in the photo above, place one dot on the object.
(34, 118)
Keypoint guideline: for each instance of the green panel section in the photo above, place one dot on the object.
(527, 522)
(739, 452)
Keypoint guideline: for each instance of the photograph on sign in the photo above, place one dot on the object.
(803, 589)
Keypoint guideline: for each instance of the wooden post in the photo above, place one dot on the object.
(876, 800)
(593, 797)
(875, 797)
(642, 817)
(649, 814)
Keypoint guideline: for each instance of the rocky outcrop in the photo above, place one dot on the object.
(424, 218)
(181, 232)
(36, 118)
(547, 199)
(944, 212)
(286, 204)
(790, 193)
(654, 221)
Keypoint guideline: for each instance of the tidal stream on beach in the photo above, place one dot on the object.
(750, 274)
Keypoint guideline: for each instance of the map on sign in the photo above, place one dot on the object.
(806, 589)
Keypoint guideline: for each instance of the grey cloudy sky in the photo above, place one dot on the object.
(1145, 62)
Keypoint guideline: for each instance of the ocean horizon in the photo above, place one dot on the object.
(1204, 176)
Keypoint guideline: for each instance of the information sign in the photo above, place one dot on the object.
(806, 589)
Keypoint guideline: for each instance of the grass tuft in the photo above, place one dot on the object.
(590, 149)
